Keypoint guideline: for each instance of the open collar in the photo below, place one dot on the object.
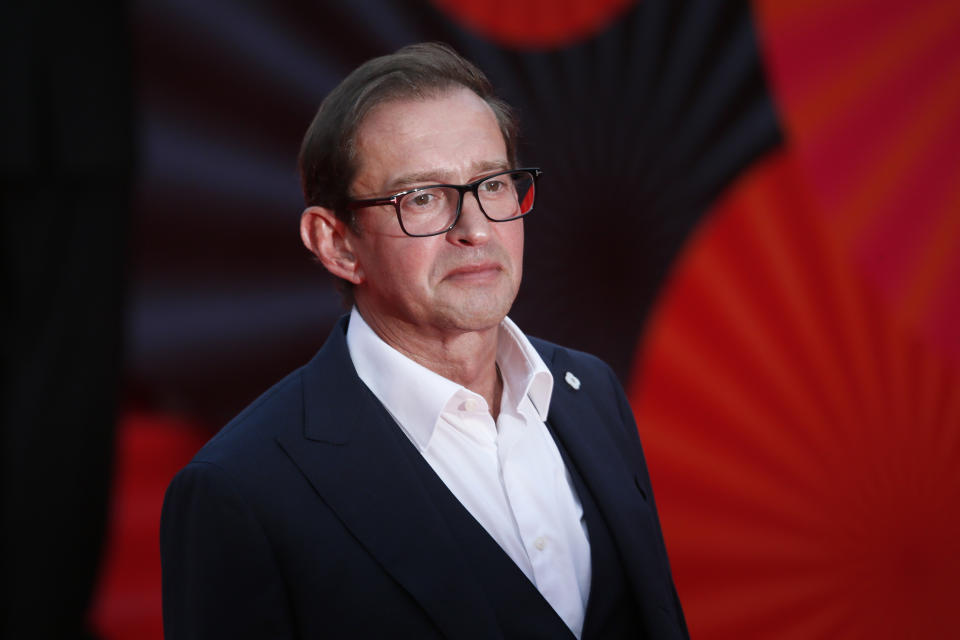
(416, 396)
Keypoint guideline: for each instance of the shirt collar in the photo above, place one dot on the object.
(416, 396)
(523, 370)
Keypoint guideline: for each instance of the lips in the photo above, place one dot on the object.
(476, 271)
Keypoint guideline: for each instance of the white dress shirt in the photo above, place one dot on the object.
(508, 474)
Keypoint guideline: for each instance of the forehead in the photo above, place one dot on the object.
(450, 136)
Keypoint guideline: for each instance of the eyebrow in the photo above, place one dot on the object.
(436, 176)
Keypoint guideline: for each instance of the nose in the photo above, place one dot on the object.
(473, 228)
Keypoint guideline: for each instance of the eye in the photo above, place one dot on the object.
(422, 198)
(494, 185)
(429, 201)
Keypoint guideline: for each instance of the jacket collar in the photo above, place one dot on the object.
(350, 452)
(619, 490)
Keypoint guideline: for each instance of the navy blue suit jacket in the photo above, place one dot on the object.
(304, 518)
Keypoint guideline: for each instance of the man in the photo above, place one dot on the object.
(432, 472)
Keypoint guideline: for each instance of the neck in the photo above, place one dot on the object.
(468, 358)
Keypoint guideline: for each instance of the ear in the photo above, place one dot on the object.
(331, 240)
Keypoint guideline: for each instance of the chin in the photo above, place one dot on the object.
(477, 313)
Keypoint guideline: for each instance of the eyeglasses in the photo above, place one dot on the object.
(435, 209)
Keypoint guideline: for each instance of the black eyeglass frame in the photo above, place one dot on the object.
(394, 199)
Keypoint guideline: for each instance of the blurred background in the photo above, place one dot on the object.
(750, 210)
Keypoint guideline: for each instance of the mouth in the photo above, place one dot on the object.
(479, 272)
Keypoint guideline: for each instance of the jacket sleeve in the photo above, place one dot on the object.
(220, 576)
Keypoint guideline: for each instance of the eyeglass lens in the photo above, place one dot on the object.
(502, 197)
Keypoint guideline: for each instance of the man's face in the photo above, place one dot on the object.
(463, 280)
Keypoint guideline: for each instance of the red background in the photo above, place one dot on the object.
(796, 384)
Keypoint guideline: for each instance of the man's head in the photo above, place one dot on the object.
(423, 116)
(328, 154)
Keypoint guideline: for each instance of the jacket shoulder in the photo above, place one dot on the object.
(276, 410)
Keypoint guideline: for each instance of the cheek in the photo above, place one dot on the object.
(514, 245)
(410, 263)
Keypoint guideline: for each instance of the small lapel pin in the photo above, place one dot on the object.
(572, 380)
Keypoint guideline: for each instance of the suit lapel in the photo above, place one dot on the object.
(588, 438)
(350, 452)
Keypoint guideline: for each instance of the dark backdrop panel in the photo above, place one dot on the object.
(637, 126)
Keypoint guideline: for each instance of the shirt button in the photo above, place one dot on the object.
(472, 404)
(540, 543)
